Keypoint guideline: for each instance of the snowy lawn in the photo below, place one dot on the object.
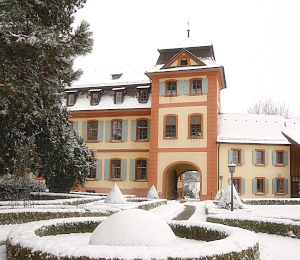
(272, 247)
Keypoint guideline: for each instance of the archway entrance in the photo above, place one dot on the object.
(173, 181)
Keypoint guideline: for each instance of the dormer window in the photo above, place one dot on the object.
(118, 95)
(71, 98)
(143, 93)
(116, 76)
(95, 96)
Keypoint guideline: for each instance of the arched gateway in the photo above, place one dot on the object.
(172, 178)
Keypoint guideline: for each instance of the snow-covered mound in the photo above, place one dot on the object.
(133, 227)
(225, 201)
(152, 194)
(115, 196)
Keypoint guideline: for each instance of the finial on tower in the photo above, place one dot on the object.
(188, 30)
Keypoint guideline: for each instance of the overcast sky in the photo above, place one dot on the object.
(257, 42)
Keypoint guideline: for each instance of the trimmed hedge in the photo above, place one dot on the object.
(272, 201)
(197, 232)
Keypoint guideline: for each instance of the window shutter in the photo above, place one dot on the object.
(148, 133)
(107, 131)
(266, 186)
(133, 130)
(75, 126)
(243, 186)
(273, 158)
(253, 157)
(106, 169)
(33, 175)
(229, 156)
(254, 182)
(205, 86)
(186, 87)
(161, 88)
(273, 186)
(179, 87)
(243, 156)
(286, 159)
(84, 128)
(286, 187)
(266, 157)
(100, 131)
(99, 169)
(123, 169)
(132, 168)
(124, 130)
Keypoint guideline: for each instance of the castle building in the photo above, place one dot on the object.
(150, 128)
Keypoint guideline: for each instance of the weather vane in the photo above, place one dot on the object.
(188, 30)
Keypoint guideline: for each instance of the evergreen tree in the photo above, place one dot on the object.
(38, 46)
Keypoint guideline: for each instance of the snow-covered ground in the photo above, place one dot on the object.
(272, 247)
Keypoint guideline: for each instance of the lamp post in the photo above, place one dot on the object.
(231, 168)
(221, 178)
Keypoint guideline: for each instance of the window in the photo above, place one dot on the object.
(119, 95)
(183, 62)
(279, 157)
(92, 174)
(95, 98)
(260, 157)
(116, 127)
(92, 131)
(143, 96)
(236, 156)
(142, 130)
(196, 87)
(115, 166)
(195, 123)
(116, 76)
(279, 185)
(171, 88)
(237, 184)
(71, 99)
(170, 127)
(141, 169)
(260, 185)
(39, 174)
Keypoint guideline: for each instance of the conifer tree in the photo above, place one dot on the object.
(38, 45)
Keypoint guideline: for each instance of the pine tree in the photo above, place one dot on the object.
(38, 45)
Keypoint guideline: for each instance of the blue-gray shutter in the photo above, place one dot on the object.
(106, 169)
(132, 168)
(124, 130)
(99, 169)
(266, 157)
(243, 157)
(205, 86)
(286, 187)
(133, 130)
(266, 186)
(254, 182)
(179, 87)
(84, 128)
(243, 186)
(273, 186)
(273, 157)
(161, 88)
(229, 156)
(148, 130)
(286, 161)
(33, 175)
(186, 87)
(123, 169)
(100, 131)
(253, 157)
(107, 131)
(75, 126)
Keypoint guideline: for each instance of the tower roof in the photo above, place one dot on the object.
(186, 43)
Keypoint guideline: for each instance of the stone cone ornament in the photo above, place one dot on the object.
(152, 194)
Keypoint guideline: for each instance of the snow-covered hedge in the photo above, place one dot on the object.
(11, 188)
(25, 242)
(273, 201)
(151, 204)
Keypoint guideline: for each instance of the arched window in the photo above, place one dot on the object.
(195, 126)
(141, 169)
(115, 169)
(116, 130)
(170, 126)
(92, 131)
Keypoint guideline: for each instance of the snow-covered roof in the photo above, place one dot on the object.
(186, 43)
(251, 128)
(291, 128)
(103, 76)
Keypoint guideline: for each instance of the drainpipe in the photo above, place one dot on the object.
(218, 167)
